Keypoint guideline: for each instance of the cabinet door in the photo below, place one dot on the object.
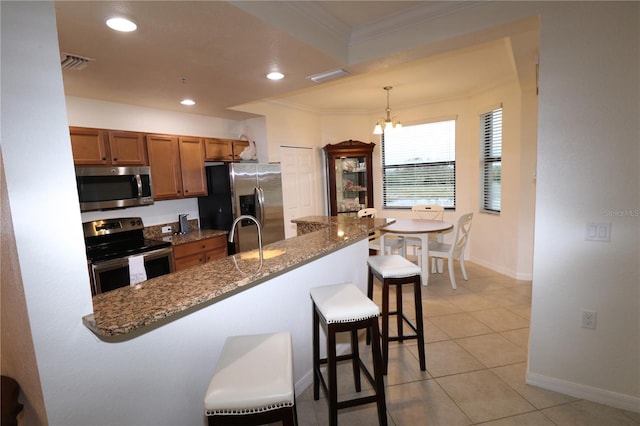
(237, 147)
(216, 248)
(127, 148)
(194, 183)
(188, 262)
(88, 146)
(218, 149)
(164, 160)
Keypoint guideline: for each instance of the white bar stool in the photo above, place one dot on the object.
(344, 308)
(253, 382)
(395, 270)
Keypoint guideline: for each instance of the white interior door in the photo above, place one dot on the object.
(299, 185)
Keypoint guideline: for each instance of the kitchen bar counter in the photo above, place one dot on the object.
(309, 224)
(127, 312)
(191, 236)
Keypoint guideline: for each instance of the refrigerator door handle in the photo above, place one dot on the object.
(259, 194)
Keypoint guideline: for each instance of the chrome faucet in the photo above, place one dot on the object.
(233, 230)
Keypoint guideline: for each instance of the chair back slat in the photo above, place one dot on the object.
(368, 212)
(426, 211)
(462, 233)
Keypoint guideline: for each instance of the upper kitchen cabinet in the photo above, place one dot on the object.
(107, 148)
(164, 159)
(177, 166)
(350, 177)
(194, 182)
(224, 149)
(127, 148)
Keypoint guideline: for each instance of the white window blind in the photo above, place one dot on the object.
(418, 165)
(491, 160)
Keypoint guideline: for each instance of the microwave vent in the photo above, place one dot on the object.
(74, 62)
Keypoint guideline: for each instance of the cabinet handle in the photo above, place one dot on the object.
(115, 159)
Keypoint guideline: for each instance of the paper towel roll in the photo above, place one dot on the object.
(137, 272)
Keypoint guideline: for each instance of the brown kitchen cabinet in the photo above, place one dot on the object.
(350, 177)
(177, 166)
(194, 181)
(100, 147)
(217, 149)
(199, 252)
(164, 159)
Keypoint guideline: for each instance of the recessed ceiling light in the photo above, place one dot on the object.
(188, 102)
(275, 75)
(121, 24)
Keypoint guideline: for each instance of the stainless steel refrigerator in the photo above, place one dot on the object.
(244, 188)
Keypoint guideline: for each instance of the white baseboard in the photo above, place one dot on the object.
(577, 390)
(523, 276)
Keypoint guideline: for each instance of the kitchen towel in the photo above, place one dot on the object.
(137, 272)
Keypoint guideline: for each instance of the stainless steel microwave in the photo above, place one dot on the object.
(111, 187)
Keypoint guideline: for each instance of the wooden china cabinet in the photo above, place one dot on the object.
(350, 176)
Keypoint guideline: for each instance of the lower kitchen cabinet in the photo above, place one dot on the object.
(199, 252)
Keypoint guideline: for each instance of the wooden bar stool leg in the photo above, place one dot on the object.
(370, 296)
(355, 360)
(333, 376)
(399, 312)
(385, 327)
(316, 354)
(417, 294)
(378, 373)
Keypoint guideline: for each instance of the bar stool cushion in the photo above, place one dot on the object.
(254, 374)
(341, 303)
(393, 266)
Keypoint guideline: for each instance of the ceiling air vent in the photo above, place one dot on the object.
(328, 75)
(74, 62)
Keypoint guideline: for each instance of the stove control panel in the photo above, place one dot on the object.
(112, 226)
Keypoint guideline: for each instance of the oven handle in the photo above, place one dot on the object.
(139, 184)
(124, 261)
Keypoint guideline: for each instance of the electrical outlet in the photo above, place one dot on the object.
(166, 229)
(589, 319)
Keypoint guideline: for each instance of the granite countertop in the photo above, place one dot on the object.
(127, 312)
(192, 235)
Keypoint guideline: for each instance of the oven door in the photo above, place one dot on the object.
(112, 274)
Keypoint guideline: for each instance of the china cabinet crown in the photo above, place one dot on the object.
(350, 176)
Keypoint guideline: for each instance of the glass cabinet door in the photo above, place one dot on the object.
(351, 184)
(349, 175)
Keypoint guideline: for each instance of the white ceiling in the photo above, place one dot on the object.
(224, 51)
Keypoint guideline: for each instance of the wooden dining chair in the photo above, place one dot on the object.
(438, 250)
(390, 243)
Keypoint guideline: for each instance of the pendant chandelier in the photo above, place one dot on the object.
(387, 123)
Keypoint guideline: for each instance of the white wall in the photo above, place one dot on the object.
(588, 171)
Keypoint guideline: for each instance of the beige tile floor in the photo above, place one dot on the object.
(476, 340)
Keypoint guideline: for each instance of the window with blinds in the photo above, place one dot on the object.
(419, 165)
(491, 160)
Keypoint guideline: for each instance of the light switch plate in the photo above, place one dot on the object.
(598, 232)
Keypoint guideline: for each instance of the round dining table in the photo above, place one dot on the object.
(420, 229)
